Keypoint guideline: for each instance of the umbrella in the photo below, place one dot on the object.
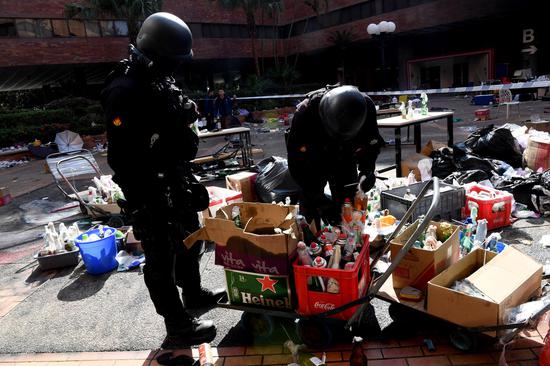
(68, 141)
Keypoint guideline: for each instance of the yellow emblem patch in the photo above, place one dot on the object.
(117, 121)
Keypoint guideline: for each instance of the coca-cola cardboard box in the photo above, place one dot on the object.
(255, 246)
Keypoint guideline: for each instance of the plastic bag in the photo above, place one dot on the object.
(274, 182)
(523, 189)
(524, 312)
(467, 176)
(425, 167)
(498, 143)
(443, 162)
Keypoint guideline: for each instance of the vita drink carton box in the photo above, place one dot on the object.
(421, 265)
(262, 290)
(255, 246)
(507, 279)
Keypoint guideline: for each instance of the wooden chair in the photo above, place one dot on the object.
(505, 98)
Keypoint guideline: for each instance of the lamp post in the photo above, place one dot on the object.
(381, 30)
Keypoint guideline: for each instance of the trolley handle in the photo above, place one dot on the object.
(422, 226)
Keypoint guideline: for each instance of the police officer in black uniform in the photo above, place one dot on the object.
(150, 146)
(334, 135)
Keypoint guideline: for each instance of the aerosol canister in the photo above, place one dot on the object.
(205, 355)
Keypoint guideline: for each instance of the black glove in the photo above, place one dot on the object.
(367, 181)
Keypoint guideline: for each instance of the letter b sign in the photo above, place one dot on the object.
(528, 35)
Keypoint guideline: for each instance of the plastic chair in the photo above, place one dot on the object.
(505, 98)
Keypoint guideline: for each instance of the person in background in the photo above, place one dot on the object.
(208, 111)
(148, 119)
(223, 108)
(334, 134)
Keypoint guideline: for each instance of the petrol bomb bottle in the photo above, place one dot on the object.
(303, 254)
(358, 357)
(315, 249)
(236, 216)
(320, 262)
(308, 236)
(347, 211)
(328, 250)
(333, 286)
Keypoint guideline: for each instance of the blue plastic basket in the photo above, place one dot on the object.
(99, 256)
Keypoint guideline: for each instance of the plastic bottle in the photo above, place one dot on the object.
(287, 201)
(481, 233)
(473, 214)
(347, 211)
(349, 248)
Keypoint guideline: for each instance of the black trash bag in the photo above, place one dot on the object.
(467, 176)
(498, 143)
(545, 179)
(465, 160)
(522, 188)
(274, 182)
(443, 163)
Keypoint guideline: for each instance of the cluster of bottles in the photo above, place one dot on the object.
(59, 241)
(101, 234)
(105, 191)
(434, 236)
(474, 235)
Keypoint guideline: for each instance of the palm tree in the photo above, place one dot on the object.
(250, 8)
(133, 11)
(342, 39)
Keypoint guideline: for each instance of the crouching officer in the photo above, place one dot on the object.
(150, 146)
(334, 135)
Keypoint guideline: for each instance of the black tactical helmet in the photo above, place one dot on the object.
(343, 111)
(165, 39)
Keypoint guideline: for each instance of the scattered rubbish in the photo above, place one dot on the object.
(545, 241)
(5, 164)
(128, 261)
(429, 345)
(465, 286)
(301, 357)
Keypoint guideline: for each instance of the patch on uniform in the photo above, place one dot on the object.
(303, 149)
(374, 142)
(117, 121)
(154, 139)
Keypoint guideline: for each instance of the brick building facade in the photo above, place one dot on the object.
(436, 43)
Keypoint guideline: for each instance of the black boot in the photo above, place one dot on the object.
(196, 332)
(204, 298)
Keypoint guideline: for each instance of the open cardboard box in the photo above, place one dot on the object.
(508, 279)
(420, 265)
(256, 247)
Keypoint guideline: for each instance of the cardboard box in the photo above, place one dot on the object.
(508, 279)
(261, 290)
(421, 265)
(244, 182)
(256, 247)
(431, 146)
(220, 197)
(411, 163)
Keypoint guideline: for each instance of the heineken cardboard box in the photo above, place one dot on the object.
(265, 243)
(262, 290)
(421, 265)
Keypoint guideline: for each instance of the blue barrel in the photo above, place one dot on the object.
(99, 256)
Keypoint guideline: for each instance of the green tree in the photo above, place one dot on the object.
(250, 9)
(133, 11)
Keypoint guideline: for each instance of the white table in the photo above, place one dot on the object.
(244, 135)
(398, 122)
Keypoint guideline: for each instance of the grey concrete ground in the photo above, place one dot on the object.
(72, 311)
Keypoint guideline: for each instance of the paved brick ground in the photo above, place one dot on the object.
(411, 352)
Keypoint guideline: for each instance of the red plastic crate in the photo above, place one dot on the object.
(353, 284)
(488, 208)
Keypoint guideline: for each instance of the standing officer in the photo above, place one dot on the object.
(150, 146)
(333, 135)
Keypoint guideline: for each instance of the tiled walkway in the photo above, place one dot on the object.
(410, 352)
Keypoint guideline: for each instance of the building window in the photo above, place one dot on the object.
(121, 28)
(92, 28)
(7, 28)
(43, 28)
(60, 28)
(107, 28)
(26, 28)
(76, 28)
